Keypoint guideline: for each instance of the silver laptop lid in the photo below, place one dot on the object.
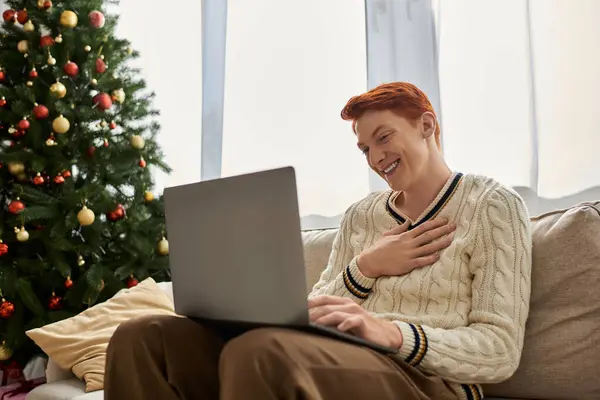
(236, 248)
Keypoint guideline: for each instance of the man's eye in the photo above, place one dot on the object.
(365, 151)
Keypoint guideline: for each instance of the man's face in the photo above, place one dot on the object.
(395, 147)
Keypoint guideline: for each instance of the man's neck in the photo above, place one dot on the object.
(414, 201)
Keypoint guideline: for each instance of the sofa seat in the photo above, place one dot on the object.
(565, 308)
(70, 389)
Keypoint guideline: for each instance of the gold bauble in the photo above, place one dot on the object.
(5, 352)
(51, 60)
(118, 95)
(28, 27)
(85, 216)
(16, 168)
(148, 196)
(23, 46)
(61, 124)
(163, 247)
(58, 89)
(22, 234)
(29, 83)
(58, 39)
(68, 19)
(94, 82)
(87, 48)
(137, 142)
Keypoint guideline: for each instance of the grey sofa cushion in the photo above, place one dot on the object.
(561, 356)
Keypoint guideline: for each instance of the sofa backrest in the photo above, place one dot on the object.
(561, 355)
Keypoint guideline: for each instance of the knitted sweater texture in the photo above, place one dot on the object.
(462, 318)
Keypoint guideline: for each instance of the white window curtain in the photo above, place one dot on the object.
(516, 84)
(520, 94)
(171, 64)
(290, 68)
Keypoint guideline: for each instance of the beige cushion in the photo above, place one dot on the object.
(317, 246)
(561, 357)
(79, 343)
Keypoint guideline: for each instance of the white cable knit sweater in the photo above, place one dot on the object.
(463, 318)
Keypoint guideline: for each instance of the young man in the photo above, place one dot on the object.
(438, 266)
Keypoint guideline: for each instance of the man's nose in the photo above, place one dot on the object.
(376, 156)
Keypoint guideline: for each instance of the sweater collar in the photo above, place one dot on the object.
(433, 209)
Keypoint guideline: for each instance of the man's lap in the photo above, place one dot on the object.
(315, 362)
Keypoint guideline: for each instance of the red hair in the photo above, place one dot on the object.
(402, 98)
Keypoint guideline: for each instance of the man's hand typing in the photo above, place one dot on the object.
(347, 316)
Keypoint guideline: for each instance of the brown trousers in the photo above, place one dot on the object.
(168, 358)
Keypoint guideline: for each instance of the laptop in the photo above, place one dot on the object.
(236, 253)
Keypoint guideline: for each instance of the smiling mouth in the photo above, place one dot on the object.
(391, 168)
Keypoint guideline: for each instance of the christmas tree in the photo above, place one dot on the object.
(78, 218)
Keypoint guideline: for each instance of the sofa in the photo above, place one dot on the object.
(561, 356)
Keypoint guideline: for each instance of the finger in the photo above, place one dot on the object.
(352, 324)
(398, 229)
(317, 312)
(424, 261)
(327, 300)
(434, 234)
(333, 319)
(427, 226)
(434, 247)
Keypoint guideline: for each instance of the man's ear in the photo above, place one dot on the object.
(428, 124)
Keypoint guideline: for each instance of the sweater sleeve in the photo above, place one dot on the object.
(341, 276)
(488, 349)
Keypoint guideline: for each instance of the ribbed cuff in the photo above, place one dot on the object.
(356, 283)
(468, 392)
(414, 343)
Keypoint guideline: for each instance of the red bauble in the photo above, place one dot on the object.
(2, 76)
(68, 283)
(112, 125)
(117, 214)
(102, 101)
(59, 180)
(120, 211)
(7, 309)
(33, 73)
(100, 66)
(97, 19)
(71, 69)
(91, 150)
(38, 180)
(3, 248)
(2, 102)
(66, 174)
(40, 111)
(105, 142)
(142, 163)
(54, 302)
(23, 124)
(22, 16)
(46, 41)
(9, 15)
(131, 282)
(16, 132)
(16, 206)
